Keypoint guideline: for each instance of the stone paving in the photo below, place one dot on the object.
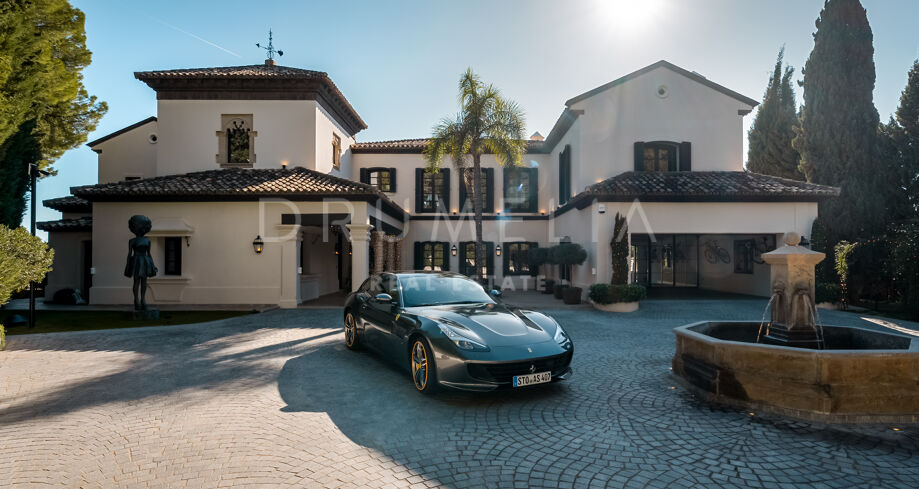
(275, 400)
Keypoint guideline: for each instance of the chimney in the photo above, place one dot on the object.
(270, 62)
(537, 137)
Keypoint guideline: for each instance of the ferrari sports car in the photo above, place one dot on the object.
(449, 332)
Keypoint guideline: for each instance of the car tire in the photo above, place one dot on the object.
(352, 339)
(422, 367)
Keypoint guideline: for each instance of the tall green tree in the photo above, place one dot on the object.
(771, 151)
(23, 258)
(902, 140)
(42, 97)
(486, 123)
(837, 135)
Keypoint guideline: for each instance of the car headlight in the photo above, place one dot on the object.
(461, 340)
(561, 337)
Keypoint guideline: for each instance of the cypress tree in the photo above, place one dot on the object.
(773, 129)
(908, 141)
(837, 135)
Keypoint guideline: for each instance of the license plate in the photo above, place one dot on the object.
(532, 379)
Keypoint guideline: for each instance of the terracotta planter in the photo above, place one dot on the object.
(617, 306)
(558, 291)
(572, 295)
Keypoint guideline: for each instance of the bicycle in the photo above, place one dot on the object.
(714, 252)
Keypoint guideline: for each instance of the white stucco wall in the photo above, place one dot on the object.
(67, 269)
(129, 154)
(325, 128)
(616, 118)
(188, 142)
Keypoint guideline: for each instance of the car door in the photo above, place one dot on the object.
(391, 313)
(378, 314)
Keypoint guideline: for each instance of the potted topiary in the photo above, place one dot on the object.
(548, 286)
(616, 298)
(537, 258)
(566, 255)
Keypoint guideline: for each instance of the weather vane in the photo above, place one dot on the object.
(270, 47)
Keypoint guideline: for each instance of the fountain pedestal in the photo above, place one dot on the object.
(793, 315)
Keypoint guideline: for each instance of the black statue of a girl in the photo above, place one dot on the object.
(140, 263)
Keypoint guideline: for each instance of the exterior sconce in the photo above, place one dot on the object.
(187, 241)
(601, 208)
(498, 250)
(283, 165)
(542, 212)
(453, 250)
(258, 245)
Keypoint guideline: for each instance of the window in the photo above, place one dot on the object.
(487, 185)
(381, 178)
(517, 258)
(467, 260)
(520, 185)
(432, 190)
(564, 175)
(432, 255)
(336, 152)
(663, 156)
(173, 256)
(236, 141)
(743, 255)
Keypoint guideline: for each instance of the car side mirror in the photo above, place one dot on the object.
(382, 298)
(495, 293)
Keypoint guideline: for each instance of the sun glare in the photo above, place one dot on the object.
(629, 15)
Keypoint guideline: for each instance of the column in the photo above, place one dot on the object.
(290, 280)
(360, 253)
(377, 241)
(397, 251)
(389, 250)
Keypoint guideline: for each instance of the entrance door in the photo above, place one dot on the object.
(87, 276)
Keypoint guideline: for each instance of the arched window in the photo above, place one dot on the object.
(236, 141)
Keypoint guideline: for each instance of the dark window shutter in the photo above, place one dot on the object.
(489, 258)
(461, 255)
(392, 179)
(445, 198)
(639, 155)
(446, 247)
(488, 200)
(419, 255)
(173, 253)
(534, 190)
(685, 156)
(365, 176)
(534, 271)
(564, 175)
(419, 189)
(462, 191)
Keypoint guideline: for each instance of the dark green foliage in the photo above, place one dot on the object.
(619, 246)
(608, 294)
(900, 145)
(905, 265)
(537, 258)
(42, 55)
(837, 135)
(843, 255)
(23, 258)
(825, 271)
(565, 255)
(869, 271)
(824, 292)
(16, 153)
(773, 129)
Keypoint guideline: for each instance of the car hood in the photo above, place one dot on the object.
(496, 324)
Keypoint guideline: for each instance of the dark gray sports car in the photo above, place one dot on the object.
(449, 332)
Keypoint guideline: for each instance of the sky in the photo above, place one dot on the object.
(398, 62)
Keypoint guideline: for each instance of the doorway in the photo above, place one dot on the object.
(668, 260)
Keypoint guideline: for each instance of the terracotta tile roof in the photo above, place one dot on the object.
(69, 204)
(230, 183)
(81, 224)
(701, 186)
(246, 71)
(415, 146)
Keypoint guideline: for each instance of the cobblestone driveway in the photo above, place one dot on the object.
(275, 399)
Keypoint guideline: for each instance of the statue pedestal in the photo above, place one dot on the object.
(145, 315)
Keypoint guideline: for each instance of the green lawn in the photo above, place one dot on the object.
(59, 321)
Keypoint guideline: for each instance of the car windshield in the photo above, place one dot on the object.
(435, 290)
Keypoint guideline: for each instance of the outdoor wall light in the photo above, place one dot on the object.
(187, 241)
(498, 250)
(258, 245)
(453, 250)
(283, 165)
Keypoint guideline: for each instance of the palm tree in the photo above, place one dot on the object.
(486, 123)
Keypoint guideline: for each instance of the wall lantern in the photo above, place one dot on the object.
(453, 250)
(498, 250)
(258, 245)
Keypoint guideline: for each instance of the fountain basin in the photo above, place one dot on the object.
(860, 376)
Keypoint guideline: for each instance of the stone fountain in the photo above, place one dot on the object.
(794, 365)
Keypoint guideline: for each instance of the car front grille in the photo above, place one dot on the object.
(505, 372)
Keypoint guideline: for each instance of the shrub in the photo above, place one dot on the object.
(905, 265)
(608, 294)
(549, 286)
(843, 254)
(537, 257)
(827, 293)
(2, 337)
(23, 258)
(572, 295)
(619, 246)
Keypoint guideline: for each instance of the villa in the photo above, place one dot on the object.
(260, 193)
